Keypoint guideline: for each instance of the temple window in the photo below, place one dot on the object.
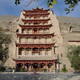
(35, 37)
(36, 23)
(28, 49)
(23, 52)
(35, 50)
(39, 53)
(29, 23)
(20, 50)
(35, 30)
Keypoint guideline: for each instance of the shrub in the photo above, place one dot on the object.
(2, 69)
(64, 68)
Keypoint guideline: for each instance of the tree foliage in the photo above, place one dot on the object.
(74, 57)
(64, 69)
(70, 4)
(4, 41)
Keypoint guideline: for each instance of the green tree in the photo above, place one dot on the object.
(4, 42)
(70, 4)
(64, 68)
(74, 57)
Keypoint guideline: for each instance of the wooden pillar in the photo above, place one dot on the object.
(20, 30)
(23, 65)
(30, 52)
(30, 68)
(38, 66)
(46, 40)
(17, 51)
(54, 50)
(46, 52)
(33, 40)
(38, 51)
(45, 67)
(26, 68)
(38, 30)
(39, 40)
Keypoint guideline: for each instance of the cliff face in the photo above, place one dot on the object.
(8, 26)
(70, 28)
(66, 22)
(6, 22)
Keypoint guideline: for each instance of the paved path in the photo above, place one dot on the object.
(39, 76)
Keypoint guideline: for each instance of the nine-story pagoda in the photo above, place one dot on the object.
(37, 37)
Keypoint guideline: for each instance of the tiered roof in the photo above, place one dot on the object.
(35, 21)
(35, 45)
(36, 15)
(35, 26)
(36, 35)
(32, 61)
(36, 10)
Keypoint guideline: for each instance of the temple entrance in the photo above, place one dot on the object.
(34, 67)
(19, 67)
(38, 67)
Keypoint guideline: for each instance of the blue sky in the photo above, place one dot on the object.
(7, 7)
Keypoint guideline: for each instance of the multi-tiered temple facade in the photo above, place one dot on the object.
(39, 41)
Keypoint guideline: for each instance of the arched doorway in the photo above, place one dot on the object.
(19, 67)
(35, 67)
(49, 65)
(28, 67)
